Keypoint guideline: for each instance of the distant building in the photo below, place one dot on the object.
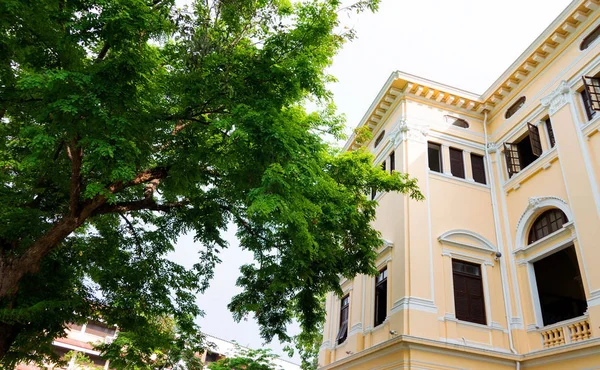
(223, 348)
(80, 339)
(498, 267)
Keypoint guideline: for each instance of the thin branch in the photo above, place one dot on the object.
(138, 242)
(103, 52)
(141, 178)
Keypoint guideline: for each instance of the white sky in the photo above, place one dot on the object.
(463, 43)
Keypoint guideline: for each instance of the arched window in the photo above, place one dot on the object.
(589, 39)
(546, 223)
(455, 121)
(515, 107)
(379, 138)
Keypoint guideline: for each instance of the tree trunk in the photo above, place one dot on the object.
(8, 333)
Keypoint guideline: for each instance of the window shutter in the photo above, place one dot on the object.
(511, 153)
(592, 87)
(534, 139)
(461, 297)
(457, 166)
(550, 133)
(478, 168)
(476, 304)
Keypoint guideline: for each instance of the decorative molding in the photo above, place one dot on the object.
(476, 242)
(325, 345)
(468, 257)
(355, 329)
(405, 130)
(532, 327)
(567, 229)
(492, 147)
(557, 98)
(516, 322)
(594, 299)
(534, 207)
(413, 303)
(386, 247)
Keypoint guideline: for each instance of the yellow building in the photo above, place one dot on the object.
(499, 268)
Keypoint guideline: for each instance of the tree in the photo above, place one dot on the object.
(247, 359)
(126, 123)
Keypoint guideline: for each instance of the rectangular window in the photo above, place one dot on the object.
(457, 165)
(522, 153)
(591, 95)
(550, 133)
(344, 315)
(392, 161)
(380, 297)
(383, 165)
(434, 154)
(478, 168)
(559, 285)
(468, 292)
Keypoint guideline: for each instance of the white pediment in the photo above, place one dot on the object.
(468, 240)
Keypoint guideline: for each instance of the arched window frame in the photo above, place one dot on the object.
(515, 107)
(552, 225)
(456, 121)
(590, 38)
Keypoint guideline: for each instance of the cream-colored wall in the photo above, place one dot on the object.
(420, 288)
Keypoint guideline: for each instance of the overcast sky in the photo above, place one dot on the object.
(463, 43)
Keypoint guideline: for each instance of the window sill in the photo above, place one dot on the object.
(591, 127)
(567, 228)
(542, 163)
(461, 181)
(452, 318)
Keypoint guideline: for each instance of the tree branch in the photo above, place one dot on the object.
(138, 242)
(103, 52)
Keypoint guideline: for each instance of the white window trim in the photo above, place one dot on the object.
(483, 262)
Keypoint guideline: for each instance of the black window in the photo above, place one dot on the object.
(455, 121)
(383, 165)
(591, 95)
(468, 292)
(392, 161)
(546, 223)
(373, 193)
(522, 153)
(478, 168)
(434, 154)
(515, 107)
(559, 285)
(457, 165)
(550, 133)
(344, 315)
(380, 297)
(379, 138)
(589, 39)
(211, 357)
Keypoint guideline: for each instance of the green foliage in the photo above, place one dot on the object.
(247, 359)
(80, 360)
(126, 123)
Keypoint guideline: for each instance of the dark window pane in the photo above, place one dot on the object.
(550, 133)
(589, 39)
(560, 286)
(344, 313)
(590, 113)
(469, 302)
(380, 297)
(534, 139)
(547, 223)
(434, 154)
(455, 121)
(526, 155)
(592, 88)
(515, 107)
(379, 138)
(457, 166)
(511, 153)
(478, 168)
(383, 165)
(392, 161)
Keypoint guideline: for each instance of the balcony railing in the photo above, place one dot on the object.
(570, 331)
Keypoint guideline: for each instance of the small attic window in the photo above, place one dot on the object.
(589, 39)
(455, 121)
(515, 107)
(379, 138)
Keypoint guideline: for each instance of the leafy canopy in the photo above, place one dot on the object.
(126, 123)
